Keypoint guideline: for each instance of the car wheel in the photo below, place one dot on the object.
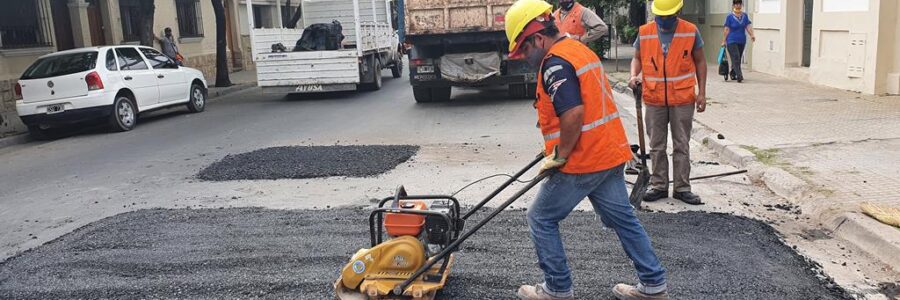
(124, 114)
(38, 133)
(397, 69)
(197, 103)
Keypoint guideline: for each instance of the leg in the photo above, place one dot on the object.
(740, 57)
(610, 201)
(555, 200)
(682, 122)
(658, 129)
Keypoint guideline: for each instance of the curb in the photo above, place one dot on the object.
(868, 235)
(17, 139)
(215, 92)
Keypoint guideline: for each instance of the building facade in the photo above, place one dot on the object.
(847, 44)
(31, 28)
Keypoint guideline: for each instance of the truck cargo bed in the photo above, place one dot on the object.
(424, 17)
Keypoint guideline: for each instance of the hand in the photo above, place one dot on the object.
(701, 102)
(753, 39)
(723, 43)
(552, 161)
(634, 81)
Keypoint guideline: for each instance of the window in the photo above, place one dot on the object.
(111, 61)
(130, 12)
(130, 59)
(58, 65)
(190, 21)
(24, 24)
(158, 60)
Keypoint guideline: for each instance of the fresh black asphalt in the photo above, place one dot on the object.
(296, 162)
(296, 254)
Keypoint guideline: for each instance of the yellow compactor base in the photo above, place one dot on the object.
(379, 286)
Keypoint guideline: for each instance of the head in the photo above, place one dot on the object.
(566, 4)
(530, 30)
(666, 12)
(168, 31)
(737, 5)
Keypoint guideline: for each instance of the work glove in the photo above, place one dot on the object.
(552, 161)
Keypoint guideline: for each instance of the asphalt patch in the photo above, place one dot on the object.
(298, 162)
(260, 253)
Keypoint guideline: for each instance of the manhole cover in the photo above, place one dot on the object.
(296, 162)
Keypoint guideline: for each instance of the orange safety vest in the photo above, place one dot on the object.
(602, 145)
(572, 24)
(669, 80)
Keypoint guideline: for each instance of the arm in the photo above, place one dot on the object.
(725, 36)
(594, 27)
(570, 123)
(750, 31)
(636, 69)
(700, 63)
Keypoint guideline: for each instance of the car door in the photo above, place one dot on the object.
(138, 76)
(171, 80)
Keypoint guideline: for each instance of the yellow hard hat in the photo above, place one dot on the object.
(666, 7)
(519, 15)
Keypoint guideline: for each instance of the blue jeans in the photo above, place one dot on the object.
(606, 191)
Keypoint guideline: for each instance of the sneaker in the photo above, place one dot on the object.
(630, 292)
(655, 194)
(688, 197)
(536, 292)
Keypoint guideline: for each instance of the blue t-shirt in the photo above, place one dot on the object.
(665, 39)
(737, 28)
(561, 83)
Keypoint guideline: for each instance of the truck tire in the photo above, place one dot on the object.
(522, 91)
(422, 94)
(397, 69)
(376, 83)
(440, 94)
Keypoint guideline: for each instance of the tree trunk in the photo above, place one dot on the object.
(146, 22)
(296, 18)
(222, 79)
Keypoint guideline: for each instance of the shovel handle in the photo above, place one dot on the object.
(638, 98)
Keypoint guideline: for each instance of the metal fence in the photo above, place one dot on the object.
(28, 27)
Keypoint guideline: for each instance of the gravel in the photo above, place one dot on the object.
(260, 253)
(297, 162)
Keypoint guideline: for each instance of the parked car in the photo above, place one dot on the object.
(113, 83)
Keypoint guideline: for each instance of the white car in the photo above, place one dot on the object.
(114, 83)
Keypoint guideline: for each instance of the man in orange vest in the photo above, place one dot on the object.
(669, 61)
(585, 143)
(578, 22)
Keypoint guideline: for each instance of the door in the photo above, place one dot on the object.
(807, 31)
(95, 22)
(170, 79)
(138, 76)
(62, 25)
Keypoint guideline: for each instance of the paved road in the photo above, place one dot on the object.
(291, 254)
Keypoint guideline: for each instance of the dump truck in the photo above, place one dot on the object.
(366, 45)
(460, 43)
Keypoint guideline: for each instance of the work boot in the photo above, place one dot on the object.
(536, 292)
(655, 194)
(630, 292)
(688, 197)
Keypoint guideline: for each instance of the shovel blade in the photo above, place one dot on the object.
(639, 189)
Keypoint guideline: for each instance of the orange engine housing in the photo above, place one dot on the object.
(400, 224)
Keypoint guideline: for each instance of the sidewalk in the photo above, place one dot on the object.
(242, 80)
(826, 150)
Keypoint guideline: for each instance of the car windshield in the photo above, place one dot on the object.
(58, 65)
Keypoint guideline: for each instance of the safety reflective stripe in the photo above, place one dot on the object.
(676, 78)
(691, 34)
(586, 127)
(649, 37)
(589, 67)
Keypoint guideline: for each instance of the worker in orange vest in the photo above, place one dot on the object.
(578, 22)
(669, 61)
(585, 143)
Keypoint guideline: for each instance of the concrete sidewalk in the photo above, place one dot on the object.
(824, 149)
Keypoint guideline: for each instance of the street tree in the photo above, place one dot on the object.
(145, 29)
(222, 79)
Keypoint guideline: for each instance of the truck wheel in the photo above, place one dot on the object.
(440, 94)
(422, 94)
(517, 91)
(531, 90)
(397, 69)
(376, 77)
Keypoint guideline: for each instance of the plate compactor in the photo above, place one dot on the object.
(412, 243)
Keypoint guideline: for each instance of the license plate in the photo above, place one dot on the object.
(55, 108)
(309, 88)
(425, 69)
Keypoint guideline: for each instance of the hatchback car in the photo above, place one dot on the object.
(113, 83)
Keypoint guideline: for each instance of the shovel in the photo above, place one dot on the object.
(643, 180)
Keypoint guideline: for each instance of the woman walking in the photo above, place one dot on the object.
(736, 24)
